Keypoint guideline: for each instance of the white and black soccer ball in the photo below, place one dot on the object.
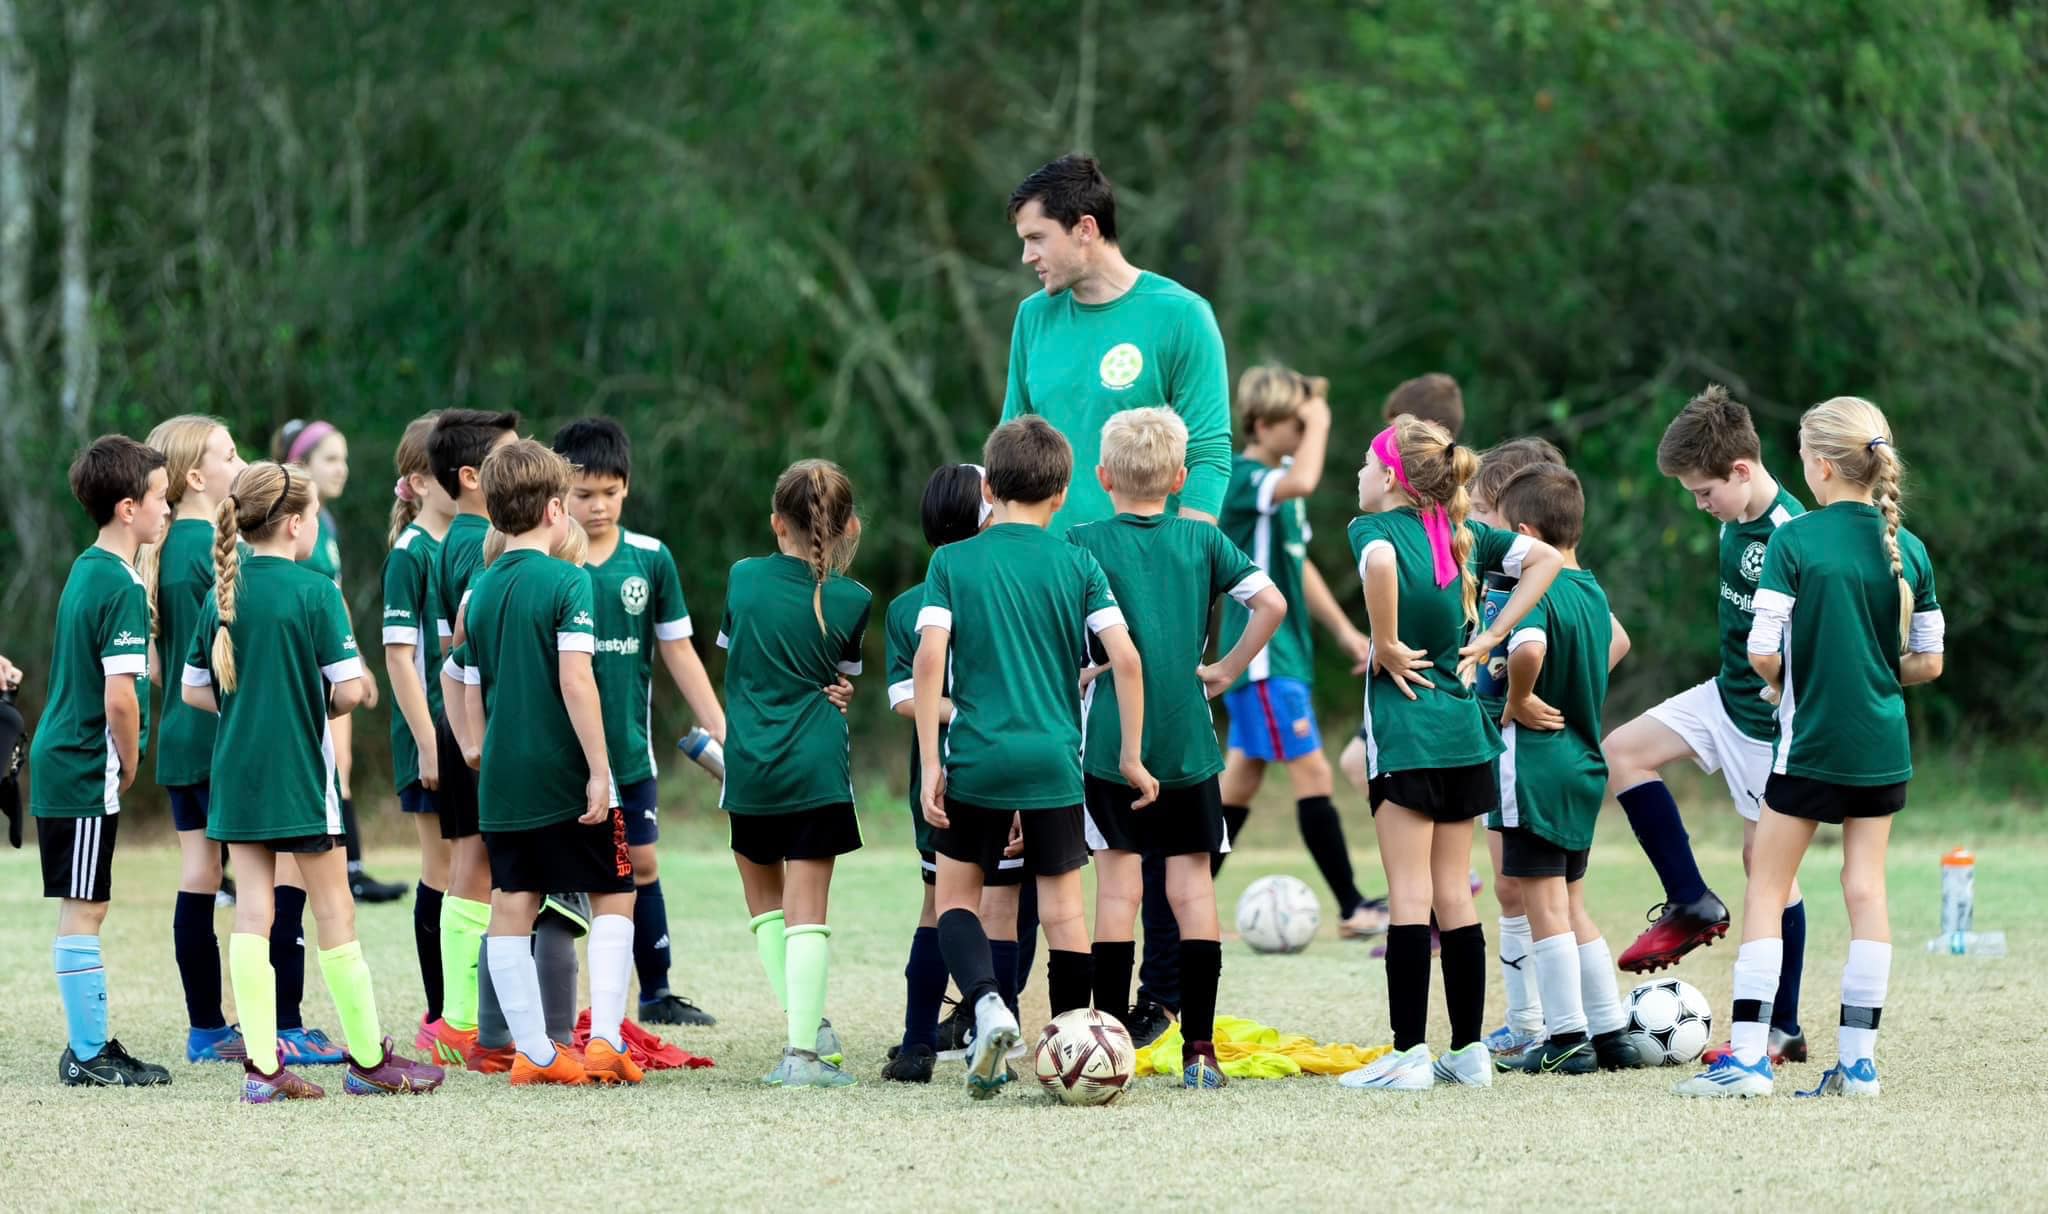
(1084, 1057)
(1669, 1021)
(1278, 914)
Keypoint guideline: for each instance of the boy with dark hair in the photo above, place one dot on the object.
(88, 746)
(1433, 398)
(637, 599)
(1711, 448)
(1022, 605)
(456, 448)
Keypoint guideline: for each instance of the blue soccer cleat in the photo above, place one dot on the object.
(308, 1047)
(1858, 1078)
(223, 1044)
(1730, 1078)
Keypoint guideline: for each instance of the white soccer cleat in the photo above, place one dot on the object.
(1858, 1078)
(1730, 1078)
(995, 1033)
(1469, 1067)
(1411, 1070)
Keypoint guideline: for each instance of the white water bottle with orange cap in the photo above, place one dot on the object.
(1959, 911)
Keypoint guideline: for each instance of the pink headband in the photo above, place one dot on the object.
(403, 490)
(1436, 521)
(308, 439)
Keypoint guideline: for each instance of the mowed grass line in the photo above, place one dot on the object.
(1953, 1128)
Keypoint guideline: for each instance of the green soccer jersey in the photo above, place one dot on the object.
(1275, 535)
(785, 744)
(1164, 572)
(1553, 781)
(462, 558)
(273, 754)
(1075, 364)
(325, 558)
(411, 573)
(1828, 603)
(102, 632)
(1019, 604)
(184, 740)
(525, 611)
(1742, 563)
(1438, 728)
(638, 602)
(900, 637)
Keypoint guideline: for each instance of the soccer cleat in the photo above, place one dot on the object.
(394, 1075)
(1615, 1051)
(1508, 1043)
(1364, 923)
(828, 1047)
(995, 1033)
(367, 888)
(913, 1065)
(1783, 1048)
(223, 1044)
(668, 1008)
(259, 1088)
(956, 1032)
(308, 1047)
(489, 1060)
(605, 1064)
(1730, 1078)
(1201, 1072)
(224, 897)
(566, 1070)
(1557, 1058)
(1858, 1078)
(1675, 929)
(453, 1046)
(1467, 1066)
(1410, 1070)
(112, 1067)
(1147, 1022)
(804, 1069)
(423, 1040)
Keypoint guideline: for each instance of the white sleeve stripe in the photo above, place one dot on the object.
(401, 634)
(197, 676)
(934, 617)
(849, 668)
(344, 670)
(1772, 600)
(1518, 552)
(1526, 636)
(673, 630)
(1773, 611)
(1929, 632)
(452, 668)
(125, 663)
(1365, 553)
(575, 642)
(1105, 619)
(443, 628)
(900, 693)
(472, 677)
(1250, 586)
(1268, 485)
(724, 641)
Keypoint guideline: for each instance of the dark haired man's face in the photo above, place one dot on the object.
(1058, 256)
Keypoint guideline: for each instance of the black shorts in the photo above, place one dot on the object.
(1183, 821)
(78, 857)
(562, 856)
(643, 826)
(300, 845)
(188, 805)
(456, 797)
(1820, 801)
(1441, 794)
(1009, 872)
(1055, 840)
(1524, 853)
(818, 833)
(417, 798)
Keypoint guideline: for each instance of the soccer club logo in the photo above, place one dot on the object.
(1753, 562)
(633, 593)
(1122, 366)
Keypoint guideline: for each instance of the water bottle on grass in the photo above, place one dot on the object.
(1959, 911)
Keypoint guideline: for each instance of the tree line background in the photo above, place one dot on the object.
(759, 232)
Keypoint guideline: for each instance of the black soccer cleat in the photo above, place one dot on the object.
(1616, 1052)
(913, 1065)
(669, 1008)
(956, 1032)
(113, 1067)
(1553, 1058)
(1148, 1022)
(367, 888)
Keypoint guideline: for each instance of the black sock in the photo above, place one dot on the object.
(351, 838)
(966, 950)
(1201, 967)
(1234, 818)
(650, 939)
(1464, 964)
(426, 941)
(1003, 955)
(1027, 932)
(924, 987)
(1323, 831)
(288, 955)
(1113, 960)
(1159, 964)
(1069, 978)
(1408, 983)
(198, 953)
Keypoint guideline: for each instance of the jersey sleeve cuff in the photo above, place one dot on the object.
(575, 642)
(1767, 631)
(849, 668)
(1518, 552)
(934, 617)
(1105, 618)
(401, 634)
(197, 676)
(1250, 586)
(443, 629)
(1365, 553)
(1928, 633)
(136, 664)
(344, 670)
(1526, 636)
(902, 693)
(674, 630)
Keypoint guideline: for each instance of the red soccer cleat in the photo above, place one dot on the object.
(1675, 930)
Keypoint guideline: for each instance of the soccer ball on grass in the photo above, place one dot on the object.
(1669, 1021)
(1278, 914)
(1085, 1057)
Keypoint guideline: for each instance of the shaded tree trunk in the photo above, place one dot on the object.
(81, 347)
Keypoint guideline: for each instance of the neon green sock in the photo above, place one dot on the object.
(348, 980)
(768, 941)
(804, 964)
(255, 985)
(462, 937)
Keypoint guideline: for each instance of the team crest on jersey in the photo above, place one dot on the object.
(1122, 366)
(633, 593)
(1753, 561)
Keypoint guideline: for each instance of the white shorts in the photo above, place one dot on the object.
(1697, 717)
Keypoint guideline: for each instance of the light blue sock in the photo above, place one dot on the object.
(82, 984)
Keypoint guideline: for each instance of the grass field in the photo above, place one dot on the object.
(1952, 1129)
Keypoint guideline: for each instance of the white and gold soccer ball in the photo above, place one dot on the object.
(1278, 914)
(1085, 1057)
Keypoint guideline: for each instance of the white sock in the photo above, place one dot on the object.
(1864, 981)
(1556, 959)
(518, 985)
(1756, 982)
(611, 970)
(1525, 1005)
(1604, 1013)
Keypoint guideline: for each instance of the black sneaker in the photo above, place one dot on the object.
(956, 1032)
(1148, 1021)
(1552, 1058)
(1615, 1052)
(367, 888)
(668, 1008)
(913, 1065)
(114, 1067)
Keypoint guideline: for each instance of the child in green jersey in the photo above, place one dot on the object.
(1553, 779)
(201, 462)
(793, 623)
(1006, 618)
(274, 656)
(1166, 572)
(1846, 617)
(1429, 749)
(89, 743)
(638, 598)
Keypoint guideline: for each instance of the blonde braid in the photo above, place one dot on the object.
(227, 572)
(1885, 494)
(815, 527)
(1464, 465)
